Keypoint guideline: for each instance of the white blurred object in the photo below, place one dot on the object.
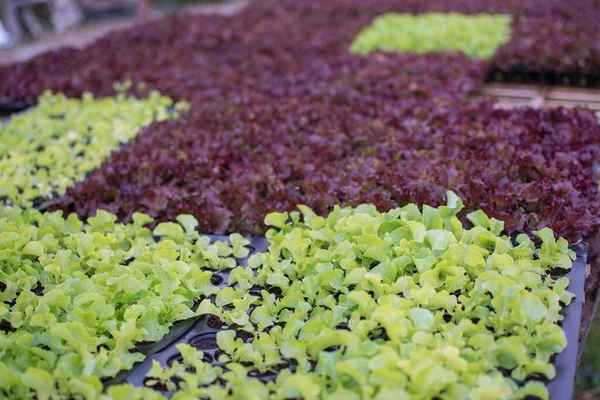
(64, 14)
(5, 38)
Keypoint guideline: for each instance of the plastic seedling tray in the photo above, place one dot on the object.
(201, 333)
(13, 106)
(183, 331)
(521, 74)
(562, 386)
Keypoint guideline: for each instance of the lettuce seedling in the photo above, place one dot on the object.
(404, 304)
(477, 35)
(55, 144)
(76, 299)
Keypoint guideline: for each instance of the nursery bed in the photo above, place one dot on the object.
(184, 329)
(201, 333)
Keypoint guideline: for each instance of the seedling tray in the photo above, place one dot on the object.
(187, 330)
(201, 333)
(11, 107)
(562, 386)
(520, 74)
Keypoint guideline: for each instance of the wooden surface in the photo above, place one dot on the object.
(541, 96)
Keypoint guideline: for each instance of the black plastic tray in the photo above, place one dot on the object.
(200, 329)
(12, 107)
(561, 387)
(543, 77)
(183, 331)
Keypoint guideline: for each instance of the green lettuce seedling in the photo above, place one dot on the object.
(77, 298)
(406, 304)
(48, 148)
(477, 35)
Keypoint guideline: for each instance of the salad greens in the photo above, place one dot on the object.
(477, 35)
(407, 304)
(77, 298)
(56, 143)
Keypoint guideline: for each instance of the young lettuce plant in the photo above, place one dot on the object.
(477, 35)
(51, 146)
(76, 299)
(405, 304)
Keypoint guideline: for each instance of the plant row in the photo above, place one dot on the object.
(475, 35)
(407, 303)
(227, 72)
(230, 164)
(50, 147)
(231, 167)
